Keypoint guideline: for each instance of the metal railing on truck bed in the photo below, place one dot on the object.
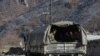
(62, 48)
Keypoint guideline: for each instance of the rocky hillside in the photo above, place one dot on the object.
(16, 15)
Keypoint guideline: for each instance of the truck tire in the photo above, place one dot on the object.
(79, 55)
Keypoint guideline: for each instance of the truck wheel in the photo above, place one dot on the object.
(48, 55)
(79, 55)
(28, 54)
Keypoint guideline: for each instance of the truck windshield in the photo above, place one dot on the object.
(70, 33)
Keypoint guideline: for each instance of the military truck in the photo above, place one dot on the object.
(64, 38)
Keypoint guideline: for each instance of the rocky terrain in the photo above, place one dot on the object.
(21, 16)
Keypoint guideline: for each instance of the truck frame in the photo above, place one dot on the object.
(63, 38)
